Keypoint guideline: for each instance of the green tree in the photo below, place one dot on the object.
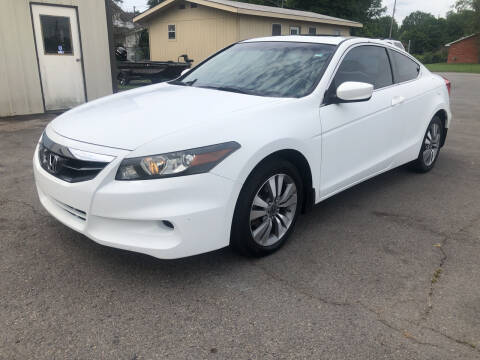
(358, 10)
(459, 23)
(379, 28)
(465, 5)
(152, 3)
(424, 30)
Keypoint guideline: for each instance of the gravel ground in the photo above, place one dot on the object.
(386, 270)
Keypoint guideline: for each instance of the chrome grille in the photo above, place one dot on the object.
(60, 162)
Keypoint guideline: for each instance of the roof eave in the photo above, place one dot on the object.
(298, 18)
(148, 13)
(461, 39)
(152, 11)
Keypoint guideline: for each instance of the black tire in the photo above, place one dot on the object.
(421, 164)
(241, 238)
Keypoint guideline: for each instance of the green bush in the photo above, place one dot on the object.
(433, 57)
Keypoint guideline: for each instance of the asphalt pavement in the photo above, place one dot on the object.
(389, 269)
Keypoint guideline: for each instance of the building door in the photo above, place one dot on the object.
(57, 39)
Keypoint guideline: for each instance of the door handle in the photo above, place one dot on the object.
(77, 60)
(397, 100)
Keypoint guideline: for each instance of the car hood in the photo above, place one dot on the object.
(130, 119)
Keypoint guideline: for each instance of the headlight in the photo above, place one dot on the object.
(187, 162)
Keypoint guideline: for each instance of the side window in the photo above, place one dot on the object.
(294, 30)
(312, 31)
(171, 32)
(404, 68)
(276, 29)
(56, 35)
(368, 64)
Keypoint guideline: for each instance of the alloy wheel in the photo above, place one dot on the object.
(431, 144)
(273, 209)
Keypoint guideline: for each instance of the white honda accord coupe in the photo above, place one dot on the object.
(231, 152)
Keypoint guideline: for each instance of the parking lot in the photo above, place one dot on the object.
(389, 269)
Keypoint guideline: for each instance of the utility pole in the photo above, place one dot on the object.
(393, 19)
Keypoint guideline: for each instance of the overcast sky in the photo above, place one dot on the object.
(404, 7)
(439, 8)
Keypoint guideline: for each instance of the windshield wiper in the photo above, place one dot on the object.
(226, 88)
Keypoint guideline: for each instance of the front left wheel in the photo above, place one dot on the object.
(267, 208)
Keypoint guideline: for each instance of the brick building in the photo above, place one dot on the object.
(465, 50)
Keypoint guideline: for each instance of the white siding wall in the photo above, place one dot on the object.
(200, 32)
(203, 30)
(256, 26)
(20, 91)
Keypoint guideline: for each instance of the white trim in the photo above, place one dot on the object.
(461, 39)
(256, 10)
(170, 31)
(295, 28)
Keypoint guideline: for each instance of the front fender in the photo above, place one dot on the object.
(250, 158)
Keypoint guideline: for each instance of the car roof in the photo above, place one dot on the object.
(320, 39)
(331, 40)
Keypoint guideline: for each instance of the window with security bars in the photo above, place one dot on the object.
(276, 29)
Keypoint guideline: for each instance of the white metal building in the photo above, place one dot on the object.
(54, 54)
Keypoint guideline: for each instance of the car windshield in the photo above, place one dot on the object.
(276, 69)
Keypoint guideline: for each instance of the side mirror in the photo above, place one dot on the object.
(352, 91)
(184, 72)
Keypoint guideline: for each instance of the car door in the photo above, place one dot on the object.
(410, 104)
(359, 139)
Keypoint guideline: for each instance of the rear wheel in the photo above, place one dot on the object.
(430, 147)
(267, 208)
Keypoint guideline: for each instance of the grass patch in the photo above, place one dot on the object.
(462, 68)
(436, 275)
(134, 84)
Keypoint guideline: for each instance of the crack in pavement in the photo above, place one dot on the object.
(382, 321)
(438, 332)
(299, 290)
(436, 277)
(403, 332)
(408, 221)
(412, 222)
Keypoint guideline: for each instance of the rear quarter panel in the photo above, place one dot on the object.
(424, 98)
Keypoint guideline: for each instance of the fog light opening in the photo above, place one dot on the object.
(168, 224)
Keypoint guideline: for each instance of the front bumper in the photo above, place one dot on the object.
(131, 215)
